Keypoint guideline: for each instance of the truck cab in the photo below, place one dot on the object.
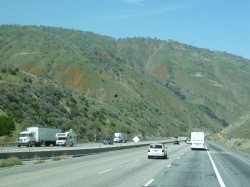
(26, 138)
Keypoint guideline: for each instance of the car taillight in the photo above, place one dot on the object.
(162, 150)
(148, 150)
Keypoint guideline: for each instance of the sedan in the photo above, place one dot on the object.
(157, 150)
(176, 142)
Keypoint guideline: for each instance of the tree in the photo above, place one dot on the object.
(7, 126)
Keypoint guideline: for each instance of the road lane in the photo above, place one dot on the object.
(193, 168)
(115, 168)
(218, 166)
(234, 169)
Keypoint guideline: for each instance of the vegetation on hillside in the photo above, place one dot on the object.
(7, 126)
(64, 78)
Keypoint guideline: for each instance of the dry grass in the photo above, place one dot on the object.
(238, 144)
(10, 162)
(38, 161)
(56, 158)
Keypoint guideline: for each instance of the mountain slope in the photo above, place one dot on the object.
(142, 86)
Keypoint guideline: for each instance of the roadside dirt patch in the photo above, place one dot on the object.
(238, 144)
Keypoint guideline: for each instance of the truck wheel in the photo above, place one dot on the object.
(29, 145)
(18, 146)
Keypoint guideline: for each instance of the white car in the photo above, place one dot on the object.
(157, 150)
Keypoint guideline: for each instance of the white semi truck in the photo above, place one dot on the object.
(37, 136)
(120, 137)
(68, 138)
(197, 140)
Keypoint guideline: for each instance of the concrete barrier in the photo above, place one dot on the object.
(73, 153)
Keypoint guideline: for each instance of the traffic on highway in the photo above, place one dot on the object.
(214, 166)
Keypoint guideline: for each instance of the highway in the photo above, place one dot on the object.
(217, 166)
(95, 145)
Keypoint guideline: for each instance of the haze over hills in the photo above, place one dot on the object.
(96, 84)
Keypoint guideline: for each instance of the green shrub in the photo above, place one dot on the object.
(10, 162)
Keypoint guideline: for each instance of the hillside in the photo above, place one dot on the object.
(96, 84)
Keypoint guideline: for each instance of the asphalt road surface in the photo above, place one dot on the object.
(131, 167)
(216, 166)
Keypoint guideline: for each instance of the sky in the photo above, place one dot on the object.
(217, 25)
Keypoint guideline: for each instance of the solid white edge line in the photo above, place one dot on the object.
(104, 171)
(149, 182)
(216, 171)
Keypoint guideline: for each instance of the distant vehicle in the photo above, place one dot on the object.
(197, 140)
(120, 137)
(107, 141)
(188, 141)
(37, 136)
(176, 142)
(67, 138)
(157, 150)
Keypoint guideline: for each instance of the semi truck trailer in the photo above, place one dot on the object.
(37, 136)
(120, 137)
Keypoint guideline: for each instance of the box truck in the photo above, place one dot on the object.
(37, 136)
(197, 140)
(68, 138)
(120, 137)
